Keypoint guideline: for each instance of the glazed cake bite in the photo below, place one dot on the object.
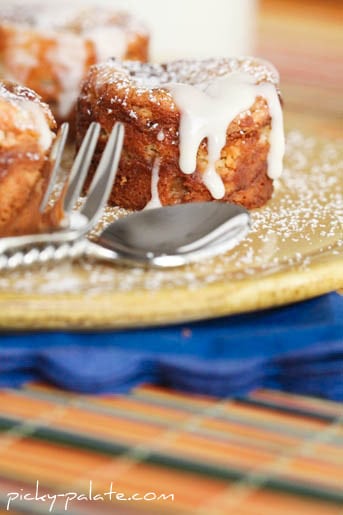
(195, 130)
(26, 135)
(49, 48)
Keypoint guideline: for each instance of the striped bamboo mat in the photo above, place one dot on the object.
(266, 454)
(304, 39)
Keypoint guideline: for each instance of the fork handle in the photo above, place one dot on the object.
(48, 254)
(74, 250)
(56, 253)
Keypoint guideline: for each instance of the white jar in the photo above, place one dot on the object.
(196, 28)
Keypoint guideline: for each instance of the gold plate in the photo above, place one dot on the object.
(293, 252)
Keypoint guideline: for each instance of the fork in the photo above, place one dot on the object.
(69, 240)
(165, 237)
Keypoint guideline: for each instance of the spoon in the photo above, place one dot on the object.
(159, 238)
(173, 236)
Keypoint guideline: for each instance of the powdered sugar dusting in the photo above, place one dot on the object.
(303, 223)
(148, 78)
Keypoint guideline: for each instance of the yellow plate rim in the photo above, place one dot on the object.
(127, 310)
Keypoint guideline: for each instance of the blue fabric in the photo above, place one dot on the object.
(298, 348)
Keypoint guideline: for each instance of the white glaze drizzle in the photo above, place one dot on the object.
(208, 110)
(277, 140)
(41, 124)
(28, 114)
(69, 57)
(31, 116)
(155, 199)
(19, 57)
(108, 41)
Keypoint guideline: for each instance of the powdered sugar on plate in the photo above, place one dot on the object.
(303, 223)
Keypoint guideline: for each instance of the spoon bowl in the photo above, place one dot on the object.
(176, 235)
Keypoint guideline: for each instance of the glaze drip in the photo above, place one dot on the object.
(39, 123)
(155, 199)
(207, 109)
(68, 56)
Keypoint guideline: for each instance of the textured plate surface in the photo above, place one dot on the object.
(294, 252)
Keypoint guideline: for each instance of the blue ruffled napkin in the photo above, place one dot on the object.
(298, 348)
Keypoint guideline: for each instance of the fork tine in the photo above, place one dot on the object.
(55, 157)
(81, 166)
(104, 177)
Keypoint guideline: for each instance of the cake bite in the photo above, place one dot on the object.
(195, 130)
(49, 48)
(26, 134)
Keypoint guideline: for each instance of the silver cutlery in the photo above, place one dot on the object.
(27, 249)
(161, 238)
(123, 241)
(173, 236)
